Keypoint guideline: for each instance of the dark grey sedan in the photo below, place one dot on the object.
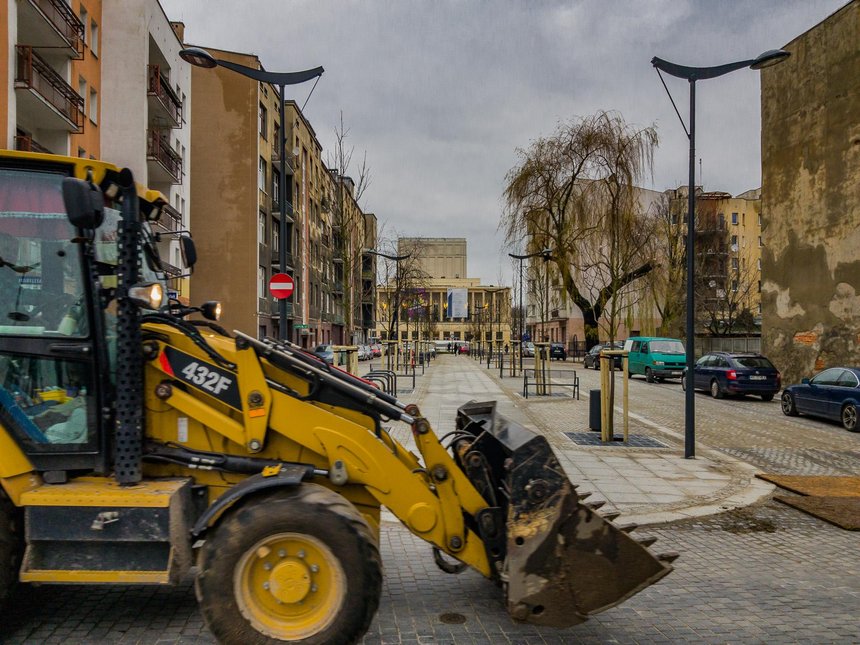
(831, 394)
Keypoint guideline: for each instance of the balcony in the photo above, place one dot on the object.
(25, 143)
(169, 269)
(276, 260)
(288, 162)
(163, 162)
(169, 221)
(52, 24)
(337, 287)
(165, 108)
(44, 96)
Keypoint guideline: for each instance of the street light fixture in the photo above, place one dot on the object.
(693, 74)
(547, 256)
(202, 58)
(397, 259)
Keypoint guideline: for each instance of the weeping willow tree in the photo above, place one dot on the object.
(575, 193)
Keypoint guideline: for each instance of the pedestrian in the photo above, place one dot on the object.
(507, 349)
(449, 348)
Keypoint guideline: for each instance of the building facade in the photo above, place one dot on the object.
(146, 121)
(416, 300)
(811, 199)
(51, 69)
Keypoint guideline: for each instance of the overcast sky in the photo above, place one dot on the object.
(440, 93)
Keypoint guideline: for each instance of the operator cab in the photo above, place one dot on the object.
(57, 318)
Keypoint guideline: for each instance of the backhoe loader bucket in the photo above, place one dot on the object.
(559, 560)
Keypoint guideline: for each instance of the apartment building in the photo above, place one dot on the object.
(145, 118)
(51, 69)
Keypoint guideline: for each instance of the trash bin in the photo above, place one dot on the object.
(594, 410)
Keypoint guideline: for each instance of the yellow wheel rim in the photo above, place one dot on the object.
(289, 586)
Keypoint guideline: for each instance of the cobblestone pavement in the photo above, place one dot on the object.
(764, 574)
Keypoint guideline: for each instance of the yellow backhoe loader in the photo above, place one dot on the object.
(140, 444)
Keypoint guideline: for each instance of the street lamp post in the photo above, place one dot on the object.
(202, 58)
(397, 259)
(547, 256)
(693, 74)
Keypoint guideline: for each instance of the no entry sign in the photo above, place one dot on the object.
(281, 285)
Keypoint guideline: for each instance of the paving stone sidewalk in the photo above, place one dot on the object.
(647, 484)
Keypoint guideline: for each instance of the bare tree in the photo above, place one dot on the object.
(577, 188)
(404, 281)
(348, 226)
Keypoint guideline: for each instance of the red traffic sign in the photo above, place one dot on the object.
(281, 285)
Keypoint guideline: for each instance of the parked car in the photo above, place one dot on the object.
(364, 352)
(463, 348)
(722, 373)
(529, 349)
(325, 352)
(557, 352)
(376, 351)
(592, 358)
(831, 394)
(655, 358)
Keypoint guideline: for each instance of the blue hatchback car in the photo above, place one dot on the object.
(831, 394)
(722, 373)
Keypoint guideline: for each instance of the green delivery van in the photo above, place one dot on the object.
(655, 358)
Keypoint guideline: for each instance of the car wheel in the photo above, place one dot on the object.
(716, 390)
(684, 383)
(789, 409)
(849, 417)
(649, 375)
(767, 397)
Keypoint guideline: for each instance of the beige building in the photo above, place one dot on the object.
(811, 199)
(427, 296)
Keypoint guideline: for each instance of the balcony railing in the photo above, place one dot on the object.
(169, 269)
(159, 88)
(170, 219)
(158, 149)
(35, 74)
(64, 21)
(276, 260)
(25, 143)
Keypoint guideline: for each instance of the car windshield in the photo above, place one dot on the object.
(753, 362)
(667, 347)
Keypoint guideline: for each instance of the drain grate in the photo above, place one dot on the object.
(593, 439)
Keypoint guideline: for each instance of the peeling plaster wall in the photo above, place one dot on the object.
(811, 200)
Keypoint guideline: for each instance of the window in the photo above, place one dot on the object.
(81, 152)
(261, 175)
(263, 121)
(735, 219)
(261, 228)
(94, 106)
(735, 286)
(759, 264)
(759, 241)
(734, 263)
(759, 220)
(276, 185)
(759, 286)
(276, 132)
(734, 242)
(82, 87)
(261, 282)
(94, 38)
(276, 235)
(84, 19)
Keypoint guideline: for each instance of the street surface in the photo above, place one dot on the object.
(760, 574)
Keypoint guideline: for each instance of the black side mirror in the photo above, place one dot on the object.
(188, 250)
(84, 202)
(804, 381)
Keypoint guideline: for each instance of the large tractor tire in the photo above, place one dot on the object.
(11, 547)
(300, 566)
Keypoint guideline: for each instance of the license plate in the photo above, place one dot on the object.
(758, 378)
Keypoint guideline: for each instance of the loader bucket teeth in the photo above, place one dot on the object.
(647, 541)
(585, 495)
(563, 561)
(595, 505)
(670, 556)
(628, 528)
(611, 515)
